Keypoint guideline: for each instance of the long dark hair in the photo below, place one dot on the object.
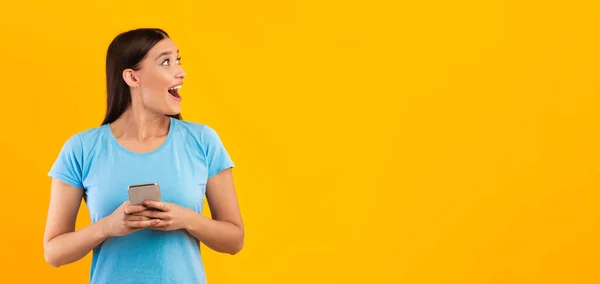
(126, 51)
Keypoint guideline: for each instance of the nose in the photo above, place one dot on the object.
(180, 73)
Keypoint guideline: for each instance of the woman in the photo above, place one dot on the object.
(143, 140)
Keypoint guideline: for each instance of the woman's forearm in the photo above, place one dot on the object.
(221, 236)
(70, 247)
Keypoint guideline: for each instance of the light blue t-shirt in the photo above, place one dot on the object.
(95, 161)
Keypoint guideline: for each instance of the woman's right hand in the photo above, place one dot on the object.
(121, 222)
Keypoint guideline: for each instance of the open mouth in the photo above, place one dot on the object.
(174, 91)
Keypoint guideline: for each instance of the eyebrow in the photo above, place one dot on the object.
(165, 53)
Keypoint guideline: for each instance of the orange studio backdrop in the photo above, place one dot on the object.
(374, 141)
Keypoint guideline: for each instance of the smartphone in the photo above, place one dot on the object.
(138, 193)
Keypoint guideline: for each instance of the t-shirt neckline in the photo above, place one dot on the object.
(123, 149)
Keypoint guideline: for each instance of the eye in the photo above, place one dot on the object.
(179, 60)
(165, 63)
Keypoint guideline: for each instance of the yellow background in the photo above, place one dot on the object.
(375, 142)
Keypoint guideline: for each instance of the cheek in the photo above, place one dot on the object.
(155, 85)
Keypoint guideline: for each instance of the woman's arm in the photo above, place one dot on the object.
(225, 231)
(61, 244)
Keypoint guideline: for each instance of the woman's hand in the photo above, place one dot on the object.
(171, 216)
(125, 220)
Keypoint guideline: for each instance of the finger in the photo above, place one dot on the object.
(162, 223)
(161, 226)
(162, 206)
(154, 214)
(134, 208)
(136, 218)
(142, 224)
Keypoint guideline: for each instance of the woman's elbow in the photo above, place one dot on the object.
(237, 246)
(51, 258)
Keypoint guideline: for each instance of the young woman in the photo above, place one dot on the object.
(143, 140)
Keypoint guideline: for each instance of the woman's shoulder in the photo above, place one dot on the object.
(89, 135)
(92, 133)
(195, 128)
(201, 132)
(190, 125)
(79, 145)
(85, 137)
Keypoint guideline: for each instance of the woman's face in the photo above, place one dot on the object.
(159, 78)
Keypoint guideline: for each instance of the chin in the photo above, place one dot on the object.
(173, 111)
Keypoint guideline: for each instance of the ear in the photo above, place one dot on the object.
(130, 78)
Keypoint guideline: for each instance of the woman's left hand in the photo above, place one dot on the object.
(172, 216)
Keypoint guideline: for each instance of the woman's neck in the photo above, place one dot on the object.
(140, 125)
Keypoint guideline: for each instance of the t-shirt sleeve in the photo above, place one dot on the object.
(217, 156)
(68, 165)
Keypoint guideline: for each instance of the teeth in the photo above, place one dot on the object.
(176, 87)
